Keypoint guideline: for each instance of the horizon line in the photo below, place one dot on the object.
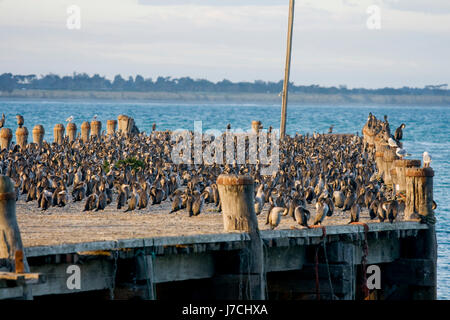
(440, 86)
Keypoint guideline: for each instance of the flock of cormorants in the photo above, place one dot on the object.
(321, 171)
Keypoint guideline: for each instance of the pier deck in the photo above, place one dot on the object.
(68, 225)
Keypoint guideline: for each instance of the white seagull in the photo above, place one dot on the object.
(401, 153)
(69, 119)
(94, 117)
(426, 159)
(392, 143)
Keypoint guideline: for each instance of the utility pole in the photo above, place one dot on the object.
(287, 69)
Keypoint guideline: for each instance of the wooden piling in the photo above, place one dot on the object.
(96, 128)
(379, 162)
(389, 156)
(122, 123)
(379, 142)
(85, 131)
(5, 138)
(11, 247)
(380, 148)
(419, 192)
(38, 134)
(58, 133)
(394, 179)
(237, 200)
(111, 126)
(368, 136)
(400, 166)
(22, 137)
(126, 125)
(71, 131)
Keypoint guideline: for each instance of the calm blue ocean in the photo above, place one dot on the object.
(427, 129)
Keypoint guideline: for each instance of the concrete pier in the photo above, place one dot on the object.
(207, 266)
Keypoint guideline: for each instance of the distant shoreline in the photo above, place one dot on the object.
(217, 97)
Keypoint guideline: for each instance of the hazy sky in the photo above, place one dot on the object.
(233, 39)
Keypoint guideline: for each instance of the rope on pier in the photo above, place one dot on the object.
(245, 252)
(115, 255)
(365, 254)
(323, 237)
(317, 274)
(328, 268)
(265, 259)
(365, 289)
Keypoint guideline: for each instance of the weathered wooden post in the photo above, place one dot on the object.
(368, 136)
(22, 137)
(11, 247)
(381, 148)
(123, 123)
(364, 132)
(111, 126)
(400, 167)
(256, 126)
(237, 199)
(132, 128)
(394, 180)
(379, 162)
(419, 192)
(127, 125)
(5, 138)
(380, 143)
(96, 128)
(85, 130)
(58, 133)
(419, 205)
(389, 156)
(38, 134)
(71, 131)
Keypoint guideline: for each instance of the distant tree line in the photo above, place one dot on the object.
(84, 82)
